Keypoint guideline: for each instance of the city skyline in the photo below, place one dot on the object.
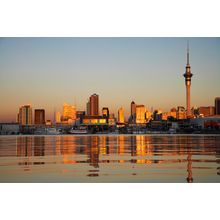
(46, 72)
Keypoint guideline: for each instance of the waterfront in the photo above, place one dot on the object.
(110, 158)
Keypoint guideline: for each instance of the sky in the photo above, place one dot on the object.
(46, 72)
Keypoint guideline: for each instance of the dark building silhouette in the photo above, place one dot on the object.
(94, 105)
(105, 112)
(217, 106)
(39, 116)
(133, 112)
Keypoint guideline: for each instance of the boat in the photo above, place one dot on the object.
(80, 130)
(172, 131)
(53, 131)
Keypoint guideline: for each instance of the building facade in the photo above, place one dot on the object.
(105, 112)
(93, 105)
(69, 112)
(206, 111)
(133, 111)
(121, 116)
(25, 115)
(181, 113)
(58, 117)
(217, 106)
(140, 114)
(39, 116)
(9, 128)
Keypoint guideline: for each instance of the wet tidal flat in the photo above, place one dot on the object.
(110, 158)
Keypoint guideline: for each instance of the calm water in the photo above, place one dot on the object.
(116, 158)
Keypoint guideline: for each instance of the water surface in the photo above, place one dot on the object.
(110, 158)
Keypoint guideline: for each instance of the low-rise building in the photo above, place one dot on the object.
(9, 128)
(206, 122)
(94, 120)
(206, 111)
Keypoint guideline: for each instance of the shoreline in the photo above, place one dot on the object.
(84, 135)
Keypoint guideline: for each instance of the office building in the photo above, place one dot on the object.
(133, 111)
(69, 112)
(206, 111)
(94, 120)
(217, 106)
(58, 117)
(25, 115)
(112, 120)
(121, 117)
(80, 115)
(94, 105)
(9, 128)
(88, 108)
(157, 115)
(48, 122)
(181, 113)
(39, 117)
(148, 115)
(105, 112)
(140, 114)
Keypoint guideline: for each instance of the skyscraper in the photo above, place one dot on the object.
(217, 106)
(121, 117)
(181, 113)
(69, 112)
(133, 111)
(39, 116)
(105, 112)
(94, 105)
(25, 115)
(88, 108)
(188, 75)
(140, 114)
(58, 117)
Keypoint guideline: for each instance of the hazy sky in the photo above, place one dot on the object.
(46, 72)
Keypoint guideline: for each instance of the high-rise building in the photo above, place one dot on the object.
(133, 111)
(206, 110)
(69, 112)
(157, 115)
(121, 117)
(111, 120)
(188, 75)
(148, 115)
(58, 117)
(217, 106)
(140, 114)
(94, 105)
(105, 112)
(39, 116)
(80, 115)
(88, 108)
(173, 112)
(25, 115)
(181, 112)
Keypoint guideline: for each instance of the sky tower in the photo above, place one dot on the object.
(188, 75)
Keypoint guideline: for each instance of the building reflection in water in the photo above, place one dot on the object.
(24, 150)
(93, 157)
(24, 146)
(39, 146)
(177, 151)
(121, 147)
